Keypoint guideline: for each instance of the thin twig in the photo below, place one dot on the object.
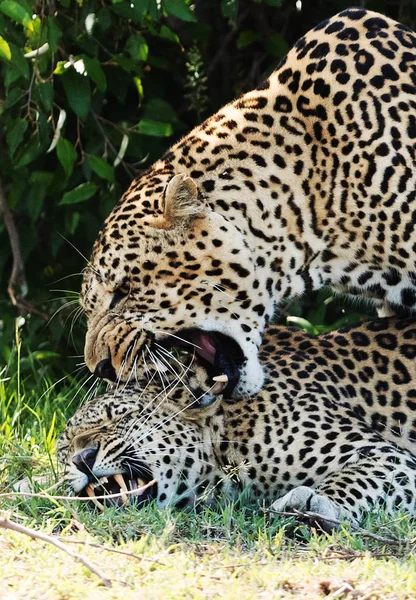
(107, 141)
(6, 523)
(358, 555)
(318, 517)
(81, 498)
(115, 550)
(18, 276)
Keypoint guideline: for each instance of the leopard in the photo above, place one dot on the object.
(332, 432)
(306, 182)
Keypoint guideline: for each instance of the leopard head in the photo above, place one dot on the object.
(169, 271)
(142, 445)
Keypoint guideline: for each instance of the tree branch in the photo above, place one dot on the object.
(18, 276)
(6, 523)
(17, 287)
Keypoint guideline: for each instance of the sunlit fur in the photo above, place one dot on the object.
(335, 421)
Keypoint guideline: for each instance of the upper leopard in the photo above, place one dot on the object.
(307, 181)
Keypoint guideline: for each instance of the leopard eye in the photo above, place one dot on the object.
(120, 293)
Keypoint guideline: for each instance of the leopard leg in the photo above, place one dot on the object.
(385, 476)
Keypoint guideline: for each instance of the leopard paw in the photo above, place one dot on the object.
(306, 499)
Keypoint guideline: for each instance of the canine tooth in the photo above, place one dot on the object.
(89, 490)
(90, 493)
(123, 487)
(221, 378)
(143, 486)
(98, 504)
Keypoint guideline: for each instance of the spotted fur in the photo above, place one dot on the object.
(307, 181)
(332, 430)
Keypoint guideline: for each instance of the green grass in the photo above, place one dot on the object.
(231, 550)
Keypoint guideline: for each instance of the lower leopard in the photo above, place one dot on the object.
(332, 431)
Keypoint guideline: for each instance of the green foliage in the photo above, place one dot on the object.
(92, 93)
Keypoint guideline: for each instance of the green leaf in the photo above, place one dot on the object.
(129, 10)
(5, 52)
(276, 45)
(137, 48)
(54, 34)
(60, 67)
(77, 90)
(79, 194)
(19, 62)
(155, 128)
(157, 109)
(180, 9)
(274, 2)
(229, 9)
(101, 167)
(141, 5)
(72, 222)
(139, 87)
(45, 355)
(95, 72)
(125, 63)
(45, 177)
(35, 201)
(18, 186)
(30, 152)
(67, 155)
(44, 92)
(15, 134)
(17, 13)
(153, 8)
(168, 34)
(247, 37)
(303, 324)
(12, 97)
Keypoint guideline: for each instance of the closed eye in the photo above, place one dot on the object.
(119, 294)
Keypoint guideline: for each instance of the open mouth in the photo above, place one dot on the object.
(220, 355)
(120, 490)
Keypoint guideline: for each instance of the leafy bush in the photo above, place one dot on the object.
(93, 92)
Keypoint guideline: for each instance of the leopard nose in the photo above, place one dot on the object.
(85, 459)
(105, 370)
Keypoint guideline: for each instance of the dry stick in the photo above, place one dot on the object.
(77, 498)
(364, 532)
(115, 550)
(18, 275)
(6, 523)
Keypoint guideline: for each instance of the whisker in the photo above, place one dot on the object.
(90, 265)
(221, 288)
(169, 355)
(67, 277)
(69, 303)
(177, 337)
(131, 371)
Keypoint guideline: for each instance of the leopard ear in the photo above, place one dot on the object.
(181, 200)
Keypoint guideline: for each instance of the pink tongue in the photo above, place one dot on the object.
(205, 347)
